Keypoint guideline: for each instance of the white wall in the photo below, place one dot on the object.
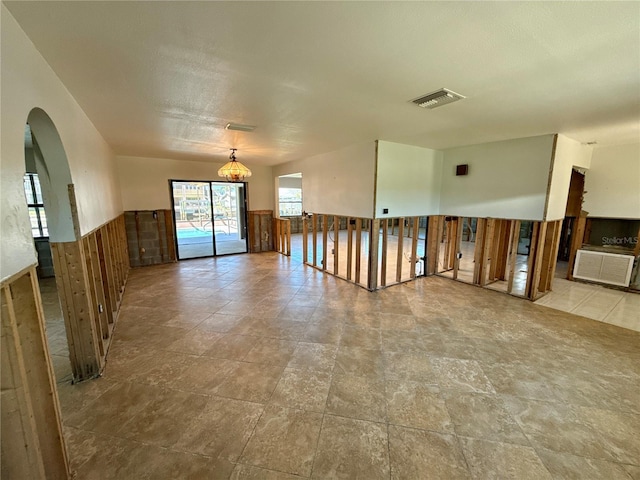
(407, 180)
(506, 179)
(29, 82)
(145, 181)
(569, 153)
(339, 182)
(612, 184)
(290, 182)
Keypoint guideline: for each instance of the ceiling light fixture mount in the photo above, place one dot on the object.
(240, 127)
(437, 98)
(234, 171)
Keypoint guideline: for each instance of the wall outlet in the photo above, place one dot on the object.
(385, 210)
(100, 308)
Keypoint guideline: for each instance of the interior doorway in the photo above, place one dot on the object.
(210, 218)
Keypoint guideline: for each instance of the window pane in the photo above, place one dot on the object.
(36, 182)
(27, 189)
(290, 209)
(33, 218)
(43, 222)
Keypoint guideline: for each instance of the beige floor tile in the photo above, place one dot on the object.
(322, 333)
(205, 374)
(421, 454)
(221, 430)
(232, 347)
(194, 342)
(463, 375)
(171, 465)
(563, 465)
(303, 389)
(633, 471)
(271, 351)
(556, 427)
(483, 416)
(284, 440)
(359, 361)
(408, 366)
(416, 405)
(253, 382)
(351, 448)
(248, 472)
(503, 460)
(315, 356)
(357, 397)
(361, 337)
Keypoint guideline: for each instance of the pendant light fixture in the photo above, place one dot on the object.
(234, 171)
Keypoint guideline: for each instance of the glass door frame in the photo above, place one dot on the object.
(243, 212)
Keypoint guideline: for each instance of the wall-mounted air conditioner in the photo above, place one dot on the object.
(609, 268)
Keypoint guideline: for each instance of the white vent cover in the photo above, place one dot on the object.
(437, 98)
(603, 267)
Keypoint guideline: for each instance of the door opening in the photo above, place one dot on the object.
(210, 218)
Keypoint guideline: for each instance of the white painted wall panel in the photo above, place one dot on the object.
(408, 180)
(612, 184)
(29, 82)
(506, 179)
(145, 181)
(569, 153)
(339, 182)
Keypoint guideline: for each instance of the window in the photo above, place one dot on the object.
(290, 201)
(36, 207)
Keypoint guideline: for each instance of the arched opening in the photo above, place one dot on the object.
(46, 184)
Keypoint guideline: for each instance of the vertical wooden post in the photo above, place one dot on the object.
(349, 247)
(577, 239)
(336, 243)
(314, 239)
(478, 250)
(93, 294)
(383, 260)
(374, 239)
(433, 245)
(457, 240)
(414, 247)
(305, 239)
(358, 249)
(168, 228)
(514, 240)
(325, 231)
(399, 250)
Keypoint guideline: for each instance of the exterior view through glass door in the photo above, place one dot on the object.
(209, 218)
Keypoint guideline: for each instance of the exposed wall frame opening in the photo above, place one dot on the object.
(372, 253)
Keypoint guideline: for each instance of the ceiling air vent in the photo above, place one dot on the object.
(239, 127)
(437, 98)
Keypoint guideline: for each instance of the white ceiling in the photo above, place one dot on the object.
(162, 79)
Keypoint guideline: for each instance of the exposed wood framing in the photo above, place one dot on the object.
(514, 238)
(305, 239)
(169, 230)
(550, 255)
(90, 277)
(314, 238)
(414, 246)
(577, 239)
(349, 246)
(358, 249)
(157, 217)
(336, 243)
(433, 244)
(325, 233)
(383, 260)
(458, 222)
(481, 230)
(399, 250)
(282, 234)
(374, 238)
(32, 442)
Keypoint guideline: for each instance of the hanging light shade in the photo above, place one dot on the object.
(234, 171)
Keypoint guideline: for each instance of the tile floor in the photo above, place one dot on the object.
(607, 305)
(303, 375)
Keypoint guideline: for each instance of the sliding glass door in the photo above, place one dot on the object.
(209, 218)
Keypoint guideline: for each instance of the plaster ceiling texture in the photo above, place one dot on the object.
(162, 79)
